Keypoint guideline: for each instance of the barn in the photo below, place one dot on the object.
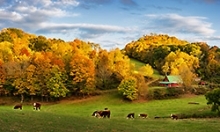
(171, 81)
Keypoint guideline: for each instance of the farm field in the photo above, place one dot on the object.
(75, 116)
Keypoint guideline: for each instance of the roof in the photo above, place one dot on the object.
(174, 79)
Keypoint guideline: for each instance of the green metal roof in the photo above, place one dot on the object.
(174, 79)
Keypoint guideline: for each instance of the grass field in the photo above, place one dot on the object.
(139, 64)
(75, 116)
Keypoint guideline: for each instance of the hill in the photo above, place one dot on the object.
(169, 55)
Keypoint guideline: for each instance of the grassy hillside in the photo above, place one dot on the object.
(75, 116)
(138, 64)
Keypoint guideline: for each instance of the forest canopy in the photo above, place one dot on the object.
(36, 66)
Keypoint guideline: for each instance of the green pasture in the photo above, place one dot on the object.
(139, 64)
(75, 116)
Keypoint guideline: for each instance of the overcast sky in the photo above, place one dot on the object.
(114, 23)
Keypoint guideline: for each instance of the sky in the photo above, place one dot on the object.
(114, 23)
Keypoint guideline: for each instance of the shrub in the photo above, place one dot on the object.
(199, 90)
(164, 93)
(213, 98)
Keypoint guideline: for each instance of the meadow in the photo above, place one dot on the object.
(75, 116)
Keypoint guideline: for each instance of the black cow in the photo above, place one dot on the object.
(96, 113)
(18, 106)
(143, 115)
(36, 106)
(130, 115)
(102, 113)
(174, 116)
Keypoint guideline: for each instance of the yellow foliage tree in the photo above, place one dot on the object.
(146, 70)
(83, 74)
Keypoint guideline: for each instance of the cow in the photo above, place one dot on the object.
(174, 116)
(18, 106)
(142, 115)
(101, 113)
(36, 106)
(96, 113)
(130, 115)
(105, 113)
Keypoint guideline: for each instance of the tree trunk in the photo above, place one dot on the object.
(22, 98)
(32, 97)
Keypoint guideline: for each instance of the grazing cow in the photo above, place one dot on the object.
(130, 115)
(18, 106)
(36, 106)
(174, 116)
(102, 113)
(143, 115)
(105, 113)
(96, 113)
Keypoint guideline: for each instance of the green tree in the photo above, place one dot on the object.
(213, 98)
(55, 85)
(39, 43)
(5, 36)
(128, 88)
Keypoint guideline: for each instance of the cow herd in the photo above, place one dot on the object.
(36, 106)
(106, 114)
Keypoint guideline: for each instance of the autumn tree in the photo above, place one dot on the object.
(121, 64)
(142, 88)
(20, 78)
(83, 74)
(146, 70)
(128, 88)
(39, 43)
(6, 51)
(5, 36)
(180, 63)
(111, 68)
(103, 70)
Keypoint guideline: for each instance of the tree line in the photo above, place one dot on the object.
(34, 66)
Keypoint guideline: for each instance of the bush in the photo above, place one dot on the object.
(174, 92)
(213, 98)
(198, 115)
(164, 93)
(199, 90)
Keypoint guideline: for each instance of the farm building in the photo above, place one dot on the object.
(171, 81)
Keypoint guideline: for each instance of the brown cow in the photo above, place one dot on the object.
(102, 113)
(174, 116)
(143, 115)
(18, 106)
(36, 106)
